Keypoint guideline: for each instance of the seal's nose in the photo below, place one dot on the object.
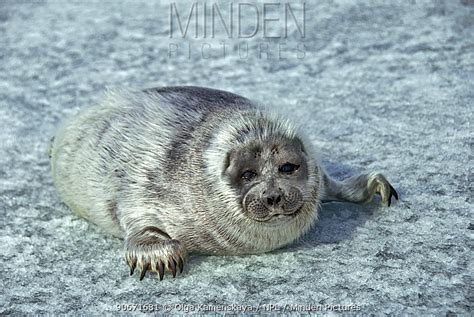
(272, 198)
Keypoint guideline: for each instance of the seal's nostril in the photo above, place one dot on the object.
(273, 200)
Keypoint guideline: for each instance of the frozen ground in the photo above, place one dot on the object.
(387, 85)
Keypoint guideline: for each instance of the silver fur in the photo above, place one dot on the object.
(152, 167)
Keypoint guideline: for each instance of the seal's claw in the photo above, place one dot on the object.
(160, 269)
(156, 256)
(133, 264)
(180, 264)
(393, 192)
(145, 268)
(172, 266)
(378, 184)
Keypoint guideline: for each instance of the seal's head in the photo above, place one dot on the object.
(267, 173)
(271, 177)
(263, 175)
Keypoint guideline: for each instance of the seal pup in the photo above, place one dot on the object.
(187, 169)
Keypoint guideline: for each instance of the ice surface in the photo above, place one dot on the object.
(386, 85)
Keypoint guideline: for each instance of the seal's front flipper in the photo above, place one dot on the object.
(152, 249)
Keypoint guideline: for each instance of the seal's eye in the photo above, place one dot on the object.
(248, 175)
(288, 168)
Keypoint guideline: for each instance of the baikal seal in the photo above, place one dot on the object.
(180, 170)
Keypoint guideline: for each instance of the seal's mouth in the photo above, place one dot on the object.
(285, 210)
(280, 217)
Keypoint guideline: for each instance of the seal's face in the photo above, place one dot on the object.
(271, 179)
